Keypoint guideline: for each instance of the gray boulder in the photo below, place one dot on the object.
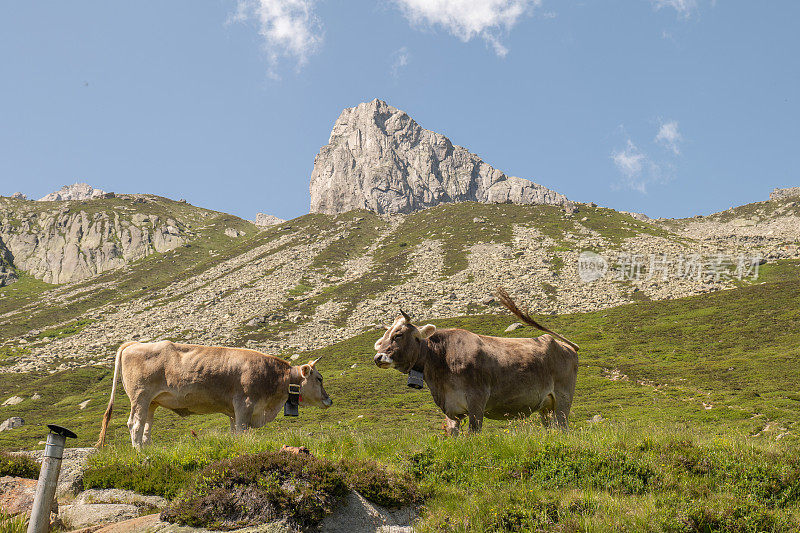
(12, 423)
(378, 158)
(80, 515)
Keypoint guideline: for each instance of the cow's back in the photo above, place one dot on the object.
(195, 371)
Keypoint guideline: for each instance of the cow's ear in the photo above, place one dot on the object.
(426, 331)
(305, 371)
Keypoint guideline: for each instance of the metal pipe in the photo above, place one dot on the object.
(48, 479)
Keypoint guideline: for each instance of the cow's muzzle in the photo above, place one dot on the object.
(383, 360)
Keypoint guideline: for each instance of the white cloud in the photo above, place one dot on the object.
(467, 19)
(683, 7)
(289, 27)
(631, 162)
(638, 169)
(669, 136)
(400, 59)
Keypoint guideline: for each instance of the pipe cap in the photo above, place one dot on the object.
(64, 432)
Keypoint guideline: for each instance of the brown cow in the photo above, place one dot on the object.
(473, 376)
(248, 386)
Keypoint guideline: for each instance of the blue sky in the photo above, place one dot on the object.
(668, 107)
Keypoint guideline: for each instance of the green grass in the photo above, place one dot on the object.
(608, 477)
(24, 291)
(13, 524)
(301, 288)
(66, 330)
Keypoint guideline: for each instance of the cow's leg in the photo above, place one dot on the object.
(243, 412)
(148, 423)
(233, 424)
(452, 425)
(561, 411)
(475, 421)
(476, 405)
(547, 411)
(136, 420)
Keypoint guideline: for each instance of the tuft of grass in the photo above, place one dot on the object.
(13, 524)
(18, 466)
(141, 474)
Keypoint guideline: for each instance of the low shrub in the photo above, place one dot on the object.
(18, 466)
(734, 519)
(259, 488)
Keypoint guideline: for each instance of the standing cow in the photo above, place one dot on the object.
(473, 376)
(248, 386)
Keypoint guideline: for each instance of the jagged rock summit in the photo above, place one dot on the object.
(76, 191)
(378, 158)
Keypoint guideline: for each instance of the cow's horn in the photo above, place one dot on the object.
(405, 315)
(314, 362)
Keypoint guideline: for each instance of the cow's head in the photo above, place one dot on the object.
(399, 346)
(311, 390)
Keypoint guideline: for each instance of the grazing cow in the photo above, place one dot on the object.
(248, 386)
(473, 376)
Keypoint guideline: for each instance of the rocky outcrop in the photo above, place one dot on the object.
(63, 245)
(17, 494)
(76, 191)
(19, 196)
(7, 273)
(263, 220)
(378, 158)
(781, 194)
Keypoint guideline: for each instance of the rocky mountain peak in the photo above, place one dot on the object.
(378, 158)
(76, 191)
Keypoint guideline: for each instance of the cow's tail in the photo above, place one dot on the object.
(107, 416)
(506, 300)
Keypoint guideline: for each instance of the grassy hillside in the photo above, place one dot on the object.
(27, 305)
(721, 362)
(272, 289)
(697, 429)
